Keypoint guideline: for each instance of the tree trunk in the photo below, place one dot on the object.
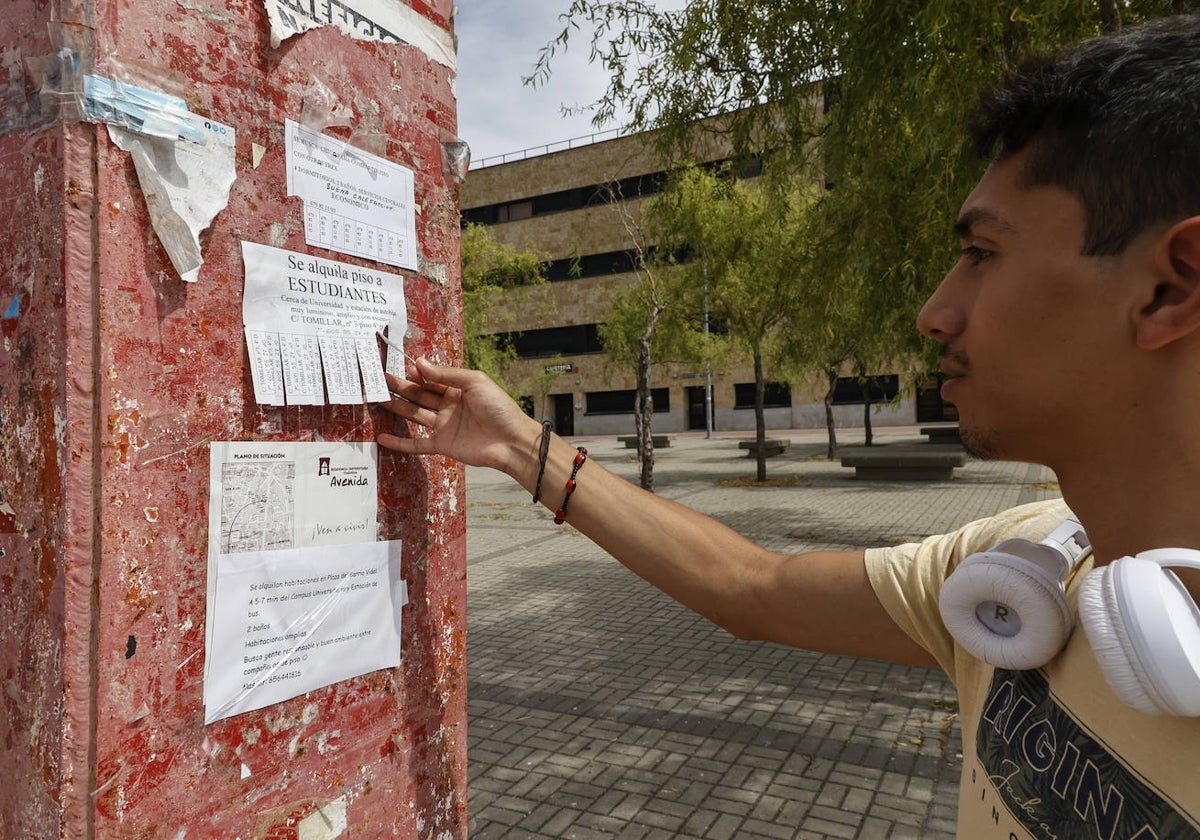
(868, 431)
(831, 377)
(1110, 16)
(760, 423)
(643, 414)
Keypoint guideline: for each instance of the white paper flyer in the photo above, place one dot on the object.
(354, 202)
(292, 621)
(300, 594)
(310, 328)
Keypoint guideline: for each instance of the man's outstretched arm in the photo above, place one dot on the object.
(819, 601)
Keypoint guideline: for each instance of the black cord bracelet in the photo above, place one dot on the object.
(543, 453)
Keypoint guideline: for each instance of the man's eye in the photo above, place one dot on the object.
(975, 254)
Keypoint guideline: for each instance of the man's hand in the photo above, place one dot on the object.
(469, 417)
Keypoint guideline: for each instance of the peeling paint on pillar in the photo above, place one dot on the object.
(116, 378)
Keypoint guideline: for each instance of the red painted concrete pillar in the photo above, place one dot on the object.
(116, 377)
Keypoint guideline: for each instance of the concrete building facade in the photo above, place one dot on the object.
(561, 204)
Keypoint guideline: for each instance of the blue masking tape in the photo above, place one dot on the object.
(138, 109)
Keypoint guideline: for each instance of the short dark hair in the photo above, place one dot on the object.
(1115, 121)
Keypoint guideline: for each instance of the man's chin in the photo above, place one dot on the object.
(979, 442)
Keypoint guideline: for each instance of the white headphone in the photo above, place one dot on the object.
(1008, 607)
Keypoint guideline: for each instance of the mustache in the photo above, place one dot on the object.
(956, 356)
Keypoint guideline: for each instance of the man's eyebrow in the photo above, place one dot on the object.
(980, 216)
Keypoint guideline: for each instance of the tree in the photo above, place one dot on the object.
(872, 93)
(749, 252)
(652, 321)
(492, 271)
(844, 328)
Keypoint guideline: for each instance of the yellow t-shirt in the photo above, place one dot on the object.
(1052, 752)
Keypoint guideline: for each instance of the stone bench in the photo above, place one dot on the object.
(942, 434)
(771, 446)
(891, 463)
(630, 441)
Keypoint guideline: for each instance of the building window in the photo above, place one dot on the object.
(637, 186)
(591, 265)
(487, 215)
(851, 390)
(515, 211)
(556, 341)
(931, 408)
(623, 402)
(775, 395)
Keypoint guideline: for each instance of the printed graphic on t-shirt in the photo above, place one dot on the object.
(1056, 778)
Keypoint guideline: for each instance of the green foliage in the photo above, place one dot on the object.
(748, 251)
(492, 274)
(662, 308)
(872, 94)
(661, 316)
(655, 320)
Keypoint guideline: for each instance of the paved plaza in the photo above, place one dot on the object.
(599, 708)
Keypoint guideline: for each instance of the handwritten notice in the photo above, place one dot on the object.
(300, 594)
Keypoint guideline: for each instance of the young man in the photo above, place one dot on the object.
(1071, 335)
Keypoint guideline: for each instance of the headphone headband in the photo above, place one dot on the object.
(1188, 558)
(1070, 540)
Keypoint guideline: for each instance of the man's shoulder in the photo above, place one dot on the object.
(1032, 521)
(1029, 518)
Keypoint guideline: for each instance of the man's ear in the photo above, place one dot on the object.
(1171, 309)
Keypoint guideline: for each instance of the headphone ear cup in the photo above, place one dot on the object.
(1101, 620)
(1006, 610)
(1144, 628)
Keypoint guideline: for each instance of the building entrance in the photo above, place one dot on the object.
(564, 413)
(931, 408)
(696, 406)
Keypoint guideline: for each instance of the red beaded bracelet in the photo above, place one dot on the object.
(560, 515)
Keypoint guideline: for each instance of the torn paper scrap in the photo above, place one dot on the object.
(145, 111)
(390, 21)
(310, 327)
(185, 163)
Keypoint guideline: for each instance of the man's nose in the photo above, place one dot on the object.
(941, 318)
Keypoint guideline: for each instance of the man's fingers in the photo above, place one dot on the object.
(410, 410)
(407, 445)
(415, 392)
(444, 376)
(432, 377)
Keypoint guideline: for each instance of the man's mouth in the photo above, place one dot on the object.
(954, 364)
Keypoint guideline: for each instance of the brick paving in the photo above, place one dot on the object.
(599, 708)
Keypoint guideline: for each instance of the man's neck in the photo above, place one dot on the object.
(1130, 508)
